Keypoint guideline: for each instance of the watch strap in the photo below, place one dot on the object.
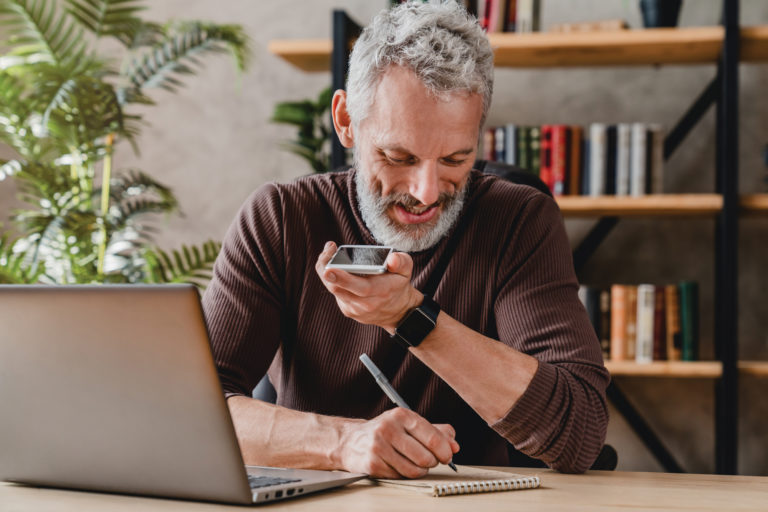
(417, 324)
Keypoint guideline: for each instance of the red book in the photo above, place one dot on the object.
(574, 164)
(660, 325)
(545, 163)
(559, 152)
(489, 144)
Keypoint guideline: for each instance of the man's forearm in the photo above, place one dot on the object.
(490, 376)
(270, 435)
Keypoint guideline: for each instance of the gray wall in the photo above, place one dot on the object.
(213, 144)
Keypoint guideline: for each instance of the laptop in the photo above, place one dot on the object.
(113, 388)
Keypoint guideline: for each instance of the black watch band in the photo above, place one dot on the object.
(417, 324)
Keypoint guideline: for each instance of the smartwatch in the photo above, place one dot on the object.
(417, 324)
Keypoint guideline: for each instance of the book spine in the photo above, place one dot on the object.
(586, 164)
(545, 156)
(674, 340)
(648, 159)
(499, 137)
(575, 161)
(535, 152)
(489, 144)
(510, 144)
(495, 19)
(645, 311)
(637, 167)
(605, 320)
(610, 159)
(689, 319)
(631, 335)
(623, 144)
(524, 147)
(618, 322)
(524, 18)
(510, 16)
(597, 159)
(659, 325)
(657, 159)
(559, 152)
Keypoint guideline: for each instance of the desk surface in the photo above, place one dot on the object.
(596, 490)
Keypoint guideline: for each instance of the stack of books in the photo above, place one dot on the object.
(645, 322)
(503, 15)
(625, 159)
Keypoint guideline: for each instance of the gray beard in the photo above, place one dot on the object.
(404, 238)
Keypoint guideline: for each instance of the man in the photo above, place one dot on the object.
(512, 357)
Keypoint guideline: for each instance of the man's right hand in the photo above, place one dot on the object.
(397, 443)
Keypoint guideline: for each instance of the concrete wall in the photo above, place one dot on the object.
(212, 143)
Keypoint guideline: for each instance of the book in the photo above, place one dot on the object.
(545, 158)
(524, 148)
(623, 145)
(646, 303)
(674, 340)
(605, 319)
(489, 144)
(631, 322)
(610, 159)
(509, 16)
(574, 160)
(535, 152)
(689, 319)
(510, 144)
(558, 162)
(499, 138)
(637, 160)
(618, 322)
(527, 16)
(442, 481)
(660, 325)
(597, 134)
(657, 158)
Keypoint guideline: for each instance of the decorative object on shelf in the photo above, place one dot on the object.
(660, 13)
(63, 108)
(312, 120)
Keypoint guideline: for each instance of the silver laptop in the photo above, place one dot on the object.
(113, 388)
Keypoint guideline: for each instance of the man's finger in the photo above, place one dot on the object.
(400, 263)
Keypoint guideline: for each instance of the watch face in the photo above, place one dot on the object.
(416, 327)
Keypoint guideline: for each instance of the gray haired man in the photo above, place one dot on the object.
(509, 358)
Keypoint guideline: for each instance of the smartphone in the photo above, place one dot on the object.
(361, 259)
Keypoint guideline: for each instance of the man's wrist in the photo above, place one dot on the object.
(417, 324)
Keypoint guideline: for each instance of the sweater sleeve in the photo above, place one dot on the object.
(244, 297)
(562, 417)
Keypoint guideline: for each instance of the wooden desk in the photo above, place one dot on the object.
(597, 490)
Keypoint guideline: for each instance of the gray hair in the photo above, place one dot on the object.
(439, 41)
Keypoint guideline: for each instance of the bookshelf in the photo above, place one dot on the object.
(642, 47)
(725, 46)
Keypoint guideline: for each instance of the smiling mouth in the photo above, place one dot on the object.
(415, 215)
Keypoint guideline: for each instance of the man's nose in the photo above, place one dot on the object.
(425, 183)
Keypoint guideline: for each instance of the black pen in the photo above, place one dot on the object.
(384, 384)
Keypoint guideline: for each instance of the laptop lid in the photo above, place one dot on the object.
(113, 388)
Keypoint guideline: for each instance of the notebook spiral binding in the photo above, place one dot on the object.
(487, 486)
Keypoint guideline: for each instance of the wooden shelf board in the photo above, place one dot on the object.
(754, 204)
(753, 368)
(691, 45)
(651, 205)
(695, 45)
(305, 54)
(677, 369)
(754, 43)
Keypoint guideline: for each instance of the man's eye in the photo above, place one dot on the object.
(453, 162)
(400, 161)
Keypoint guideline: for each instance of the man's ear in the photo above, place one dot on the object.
(341, 120)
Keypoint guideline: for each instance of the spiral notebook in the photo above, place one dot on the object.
(443, 481)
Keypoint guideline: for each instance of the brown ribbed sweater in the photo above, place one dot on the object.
(511, 278)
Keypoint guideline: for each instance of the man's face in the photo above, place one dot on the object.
(413, 155)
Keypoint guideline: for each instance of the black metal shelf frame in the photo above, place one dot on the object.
(722, 92)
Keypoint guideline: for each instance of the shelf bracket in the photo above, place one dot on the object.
(691, 118)
(642, 429)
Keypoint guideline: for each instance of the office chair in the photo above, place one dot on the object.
(608, 458)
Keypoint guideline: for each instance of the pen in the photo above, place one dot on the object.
(384, 384)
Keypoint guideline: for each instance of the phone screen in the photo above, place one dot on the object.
(370, 256)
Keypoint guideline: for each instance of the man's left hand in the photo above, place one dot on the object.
(381, 300)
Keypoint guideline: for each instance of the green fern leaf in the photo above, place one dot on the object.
(115, 18)
(35, 27)
(189, 265)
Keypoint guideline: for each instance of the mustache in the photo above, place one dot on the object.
(408, 201)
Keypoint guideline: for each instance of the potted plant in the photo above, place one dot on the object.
(63, 108)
